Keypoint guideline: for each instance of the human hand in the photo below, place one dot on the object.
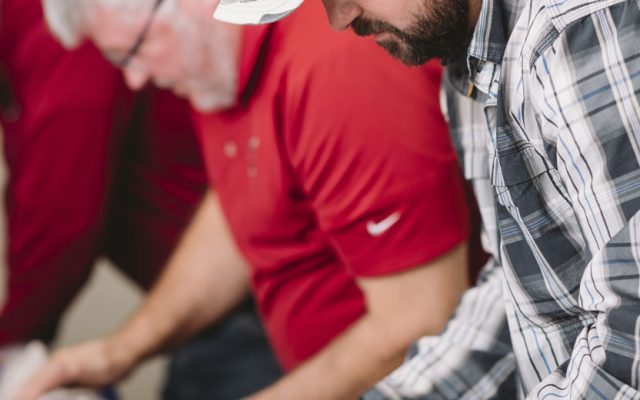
(92, 364)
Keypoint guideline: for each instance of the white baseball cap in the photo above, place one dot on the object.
(254, 12)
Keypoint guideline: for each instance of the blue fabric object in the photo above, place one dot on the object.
(229, 362)
(108, 394)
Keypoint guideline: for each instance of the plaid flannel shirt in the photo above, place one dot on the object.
(548, 119)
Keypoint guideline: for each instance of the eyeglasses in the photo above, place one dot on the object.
(140, 39)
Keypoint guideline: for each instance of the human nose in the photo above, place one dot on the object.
(341, 14)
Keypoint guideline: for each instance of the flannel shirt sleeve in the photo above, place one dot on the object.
(596, 114)
(605, 360)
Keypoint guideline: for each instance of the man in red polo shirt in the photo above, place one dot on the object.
(96, 171)
(68, 138)
(59, 142)
(334, 181)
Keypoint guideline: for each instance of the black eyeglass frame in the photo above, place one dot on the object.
(141, 37)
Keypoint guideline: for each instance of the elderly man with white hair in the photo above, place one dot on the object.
(316, 206)
(148, 40)
(97, 171)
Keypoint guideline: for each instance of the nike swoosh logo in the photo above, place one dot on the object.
(376, 229)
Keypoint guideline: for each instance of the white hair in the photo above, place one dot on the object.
(67, 19)
(64, 18)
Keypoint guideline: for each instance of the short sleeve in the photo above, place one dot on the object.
(372, 153)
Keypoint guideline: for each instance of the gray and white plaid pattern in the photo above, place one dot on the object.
(555, 84)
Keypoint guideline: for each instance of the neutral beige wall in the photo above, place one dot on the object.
(105, 303)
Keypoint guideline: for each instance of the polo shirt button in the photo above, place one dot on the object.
(252, 171)
(254, 143)
(230, 149)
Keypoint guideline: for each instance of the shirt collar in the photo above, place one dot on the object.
(487, 47)
(491, 33)
(254, 39)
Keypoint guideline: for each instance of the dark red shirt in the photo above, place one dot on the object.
(336, 165)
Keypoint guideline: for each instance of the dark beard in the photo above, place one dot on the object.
(443, 33)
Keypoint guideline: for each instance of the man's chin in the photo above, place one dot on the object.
(211, 102)
(402, 52)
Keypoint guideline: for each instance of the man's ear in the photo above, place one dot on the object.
(65, 19)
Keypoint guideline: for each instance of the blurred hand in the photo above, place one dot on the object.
(93, 364)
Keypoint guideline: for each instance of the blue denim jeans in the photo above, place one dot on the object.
(108, 394)
(227, 362)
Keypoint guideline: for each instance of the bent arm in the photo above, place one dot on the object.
(400, 308)
(205, 278)
(604, 359)
(472, 359)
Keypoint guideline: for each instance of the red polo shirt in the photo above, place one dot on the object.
(336, 165)
(73, 154)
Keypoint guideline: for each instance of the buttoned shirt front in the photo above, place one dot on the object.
(547, 120)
